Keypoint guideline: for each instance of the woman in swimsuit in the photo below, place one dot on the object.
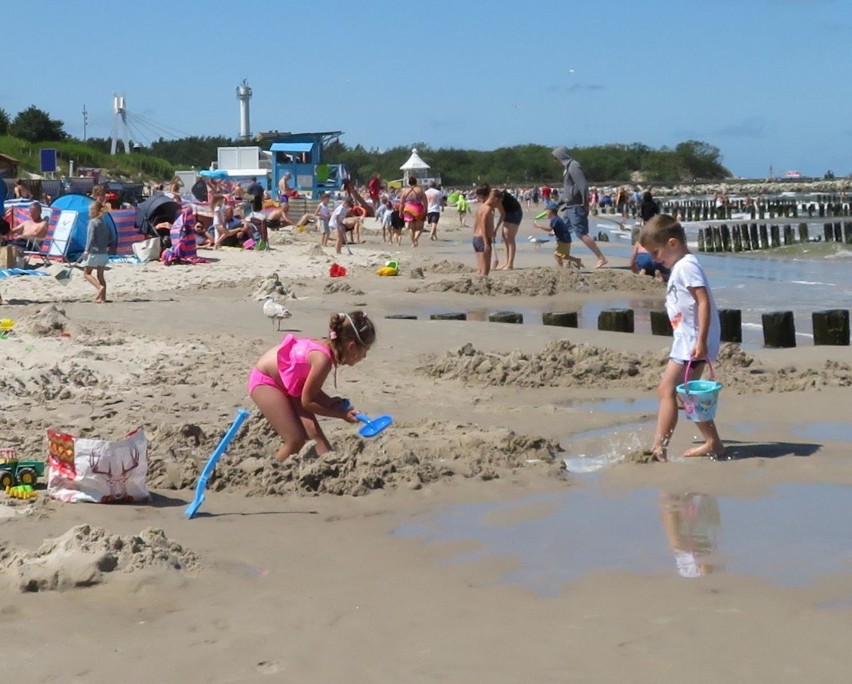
(414, 209)
(286, 383)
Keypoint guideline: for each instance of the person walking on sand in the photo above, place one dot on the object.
(556, 226)
(696, 329)
(286, 383)
(575, 197)
(100, 242)
(462, 206)
(414, 204)
(483, 227)
(433, 209)
(511, 215)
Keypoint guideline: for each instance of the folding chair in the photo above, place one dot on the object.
(34, 246)
(59, 234)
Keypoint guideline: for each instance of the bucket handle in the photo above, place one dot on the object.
(686, 373)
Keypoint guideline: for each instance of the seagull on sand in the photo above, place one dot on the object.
(539, 240)
(275, 311)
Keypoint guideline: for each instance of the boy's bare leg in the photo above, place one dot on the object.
(481, 264)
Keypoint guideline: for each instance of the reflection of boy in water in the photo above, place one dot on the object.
(691, 522)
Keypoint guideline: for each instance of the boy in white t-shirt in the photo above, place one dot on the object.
(695, 323)
(323, 214)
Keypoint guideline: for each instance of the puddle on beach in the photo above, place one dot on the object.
(593, 450)
(832, 432)
(791, 537)
(815, 432)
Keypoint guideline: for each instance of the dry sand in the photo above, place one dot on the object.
(291, 571)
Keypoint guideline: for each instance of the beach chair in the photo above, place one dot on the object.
(59, 234)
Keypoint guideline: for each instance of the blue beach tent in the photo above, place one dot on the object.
(69, 236)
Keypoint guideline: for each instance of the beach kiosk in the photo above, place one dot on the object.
(415, 166)
(301, 154)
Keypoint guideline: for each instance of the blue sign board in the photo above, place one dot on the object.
(48, 160)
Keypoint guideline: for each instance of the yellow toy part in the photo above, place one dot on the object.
(21, 492)
(6, 324)
(387, 271)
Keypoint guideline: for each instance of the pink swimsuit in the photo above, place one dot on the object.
(293, 366)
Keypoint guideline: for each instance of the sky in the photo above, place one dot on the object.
(764, 81)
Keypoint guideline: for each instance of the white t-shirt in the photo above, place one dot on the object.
(433, 196)
(323, 211)
(338, 215)
(683, 309)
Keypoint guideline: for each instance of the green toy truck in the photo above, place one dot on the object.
(14, 472)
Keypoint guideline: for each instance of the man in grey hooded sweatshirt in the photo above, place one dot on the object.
(575, 195)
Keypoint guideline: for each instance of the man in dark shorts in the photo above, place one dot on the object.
(433, 209)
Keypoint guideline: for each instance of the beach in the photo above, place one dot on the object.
(451, 547)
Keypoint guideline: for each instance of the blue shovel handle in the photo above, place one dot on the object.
(221, 448)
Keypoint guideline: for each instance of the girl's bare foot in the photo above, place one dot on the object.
(601, 263)
(716, 452)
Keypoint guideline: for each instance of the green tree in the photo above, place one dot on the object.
(662, 166)
(34, 125)
(700, 159)
(4, 122)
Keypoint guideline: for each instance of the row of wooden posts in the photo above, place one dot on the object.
(751, 237)
(706, 210)
(830, 327)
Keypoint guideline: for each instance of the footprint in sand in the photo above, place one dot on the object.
(267, 667)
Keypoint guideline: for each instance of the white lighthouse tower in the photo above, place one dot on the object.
(244, 95)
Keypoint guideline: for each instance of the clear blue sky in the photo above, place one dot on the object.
(765, 81)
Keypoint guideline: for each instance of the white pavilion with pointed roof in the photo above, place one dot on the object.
(415, 166)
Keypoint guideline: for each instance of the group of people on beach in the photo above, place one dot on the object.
(287, 381)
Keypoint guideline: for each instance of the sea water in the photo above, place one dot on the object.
(753, 284)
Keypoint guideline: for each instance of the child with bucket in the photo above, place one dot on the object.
(695, 323)
(286, 382)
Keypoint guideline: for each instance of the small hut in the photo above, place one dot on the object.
(8, 166)
(415, 166)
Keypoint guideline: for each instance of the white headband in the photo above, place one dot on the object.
(357, 334)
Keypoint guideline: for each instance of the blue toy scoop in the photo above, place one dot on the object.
(192, 509)
(373, 427)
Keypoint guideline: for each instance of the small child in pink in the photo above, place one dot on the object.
(286, 382)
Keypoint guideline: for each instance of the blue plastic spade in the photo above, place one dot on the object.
(373, 427)
(222, 447)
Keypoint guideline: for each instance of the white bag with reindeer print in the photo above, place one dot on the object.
(96, 470)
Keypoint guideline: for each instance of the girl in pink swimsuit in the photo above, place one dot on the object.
(286, 382)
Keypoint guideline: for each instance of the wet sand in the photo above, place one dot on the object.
(298, 571)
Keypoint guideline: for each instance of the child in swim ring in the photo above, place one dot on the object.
(286, 382)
